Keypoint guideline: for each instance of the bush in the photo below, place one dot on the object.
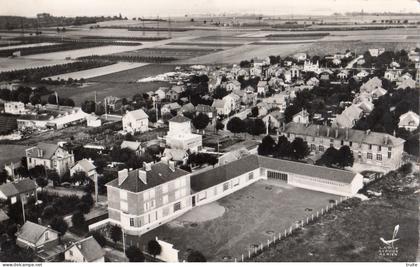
(59, 225)
(154, 248)
(79, 221)
(134, 254)
(115, 233)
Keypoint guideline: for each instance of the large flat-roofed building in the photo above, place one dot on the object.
(370, 148)
(143, 199)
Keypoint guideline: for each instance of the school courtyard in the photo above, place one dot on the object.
(227, 228)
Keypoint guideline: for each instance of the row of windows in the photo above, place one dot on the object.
(277, 175)
(153, 216)
(317, 180)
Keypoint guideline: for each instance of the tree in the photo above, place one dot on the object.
(346, 157)
(79, 221)
(201, 121)
(235, 125)
(41, 182)
(3, 177)
(329, 157)
(196, 256)
(154, 248)
(290, 111)
(300, 148)
(89, 106)
(68, 102)
(37, 171)
(54, 177)
(267, 146)
(87, 199)
(115, 233)
(59, 225)
(23, 97)
(35, 99)
(283, 148)
(254, 112)
(99, 238)
(219, 125)
(52, 99)
(134, 254)
(256, 127)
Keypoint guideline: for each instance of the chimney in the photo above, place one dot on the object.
(336, 133)
(143, 176)
(171, 165)
(347, 133)
(367, 131)
(328, 131)
(122, 175)
(386, 139)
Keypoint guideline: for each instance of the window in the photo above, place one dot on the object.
(350, 143)
(225, 186)
(277, 175)
(236, 182)
(379, 148)
(177, 206)
(370, 147)
(165, 199)
(71, 252)
(131, 221)
(202, 195)
(321, 148)
(250, 176)
(378, 156)
(152, 193)
(165, 188)
(146, 196)
(389, 154)
(369, 155)
(177, 194)
(342, 142)
(389, 148)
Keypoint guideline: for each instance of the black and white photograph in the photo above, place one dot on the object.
(214, 131)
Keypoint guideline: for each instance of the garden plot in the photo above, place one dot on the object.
(91, 73)
(9, 64)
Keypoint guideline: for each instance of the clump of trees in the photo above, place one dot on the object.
(340, 158)
(296, 150)
(202, 158)
(250, 125)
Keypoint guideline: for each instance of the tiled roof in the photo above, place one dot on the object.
(48, 151)
(31, 232)
(137, 114)
(89, 248)
(131, 145)
(86, 165)
(160, 173)
(21, 186)
(246, 164)
(357, 136)
(179, 118)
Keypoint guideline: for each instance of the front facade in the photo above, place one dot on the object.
(143, 199)
(15, 108)
(180, 137)
(135, 121)
(369, 148)
(51, 156)
(409, 121)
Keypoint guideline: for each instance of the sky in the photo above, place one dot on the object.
(139, 8)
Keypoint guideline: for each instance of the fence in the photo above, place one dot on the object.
(256, 249)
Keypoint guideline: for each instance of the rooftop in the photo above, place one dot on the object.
(179, 119)
(89, 248)
(31, 232)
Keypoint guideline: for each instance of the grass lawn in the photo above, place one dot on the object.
(226, 229)
(351, 232)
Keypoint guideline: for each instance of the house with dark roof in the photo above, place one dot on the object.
(43, 240)
(369, 148)
(51, 156)
(142, 199)
(85, 250)
(20, 190)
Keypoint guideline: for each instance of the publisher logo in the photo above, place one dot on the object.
(389, 247)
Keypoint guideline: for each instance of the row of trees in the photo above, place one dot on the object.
(249, 125)
(36, 74)
(296, 150)
(132, 58)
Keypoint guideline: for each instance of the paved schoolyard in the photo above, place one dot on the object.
(225, 229)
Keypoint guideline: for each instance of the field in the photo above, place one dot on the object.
(8, 64)
(178, 52)
(91, 73)
(26, 46)
(226, 229)
(9, 153)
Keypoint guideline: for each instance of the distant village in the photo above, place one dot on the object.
(328, 124)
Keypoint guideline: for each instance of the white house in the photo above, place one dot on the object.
(180, 137)
(409, 121)
(93, 121)
(301, 117)
(85, 250)
(16, 108)
(37, 237)
(135, 121)
(87, 167)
